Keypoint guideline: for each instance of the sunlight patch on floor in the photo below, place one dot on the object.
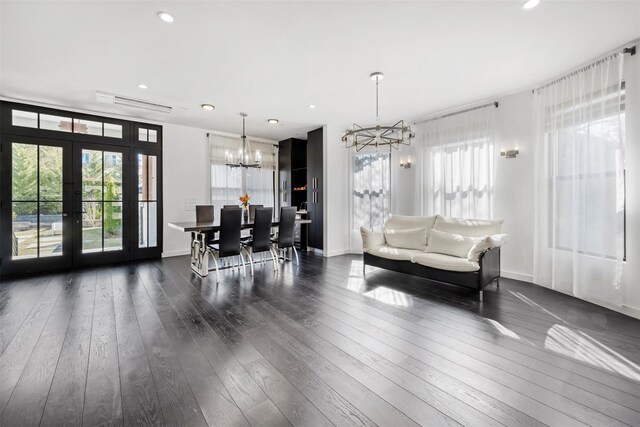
(580, 346)
(502, 329)
(535, 305)
(388, 296)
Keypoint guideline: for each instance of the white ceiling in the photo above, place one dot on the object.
(272, 59)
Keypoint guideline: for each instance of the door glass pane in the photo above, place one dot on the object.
(25, 119)
(87, 127)
(142, 134)
(112, 176)
(50, 229)
(142, 224)
(151, 177)
(91, 175)
(153, 224)
(24, 172)
(91, 227)
(50, 173)
(58, 123)
(153, 135)
(24, 236)
(112, 226)
(113, 131)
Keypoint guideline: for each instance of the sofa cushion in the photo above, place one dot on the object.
(397, 254)
(498, 240)
(410, 238)
(481, 245)
(446, 262)
(370, 239)
(450, 244)
(403, 222)
(468, 227)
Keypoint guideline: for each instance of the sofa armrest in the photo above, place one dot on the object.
(489, 266)
(371, 239)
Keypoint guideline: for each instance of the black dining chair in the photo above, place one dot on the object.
(231, 206)
(260, 240)
(204, 213)
(252, 211)
(284, 240)
(228, 245)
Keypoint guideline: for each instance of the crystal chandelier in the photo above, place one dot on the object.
(375, 136)
(244, 157)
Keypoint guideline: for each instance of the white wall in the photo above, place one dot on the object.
(336, 193)
(185, 175)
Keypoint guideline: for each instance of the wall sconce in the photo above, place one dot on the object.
(405, 165)
(510, 154)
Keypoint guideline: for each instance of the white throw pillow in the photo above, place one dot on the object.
(479, 247)
(450, 244)
(468, 227)
(370, 239)
(411, 238)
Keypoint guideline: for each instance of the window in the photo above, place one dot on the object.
(228, 184)
(147, 201)
(583, 147)
(456, 165)
(43, 121)
(371, 190)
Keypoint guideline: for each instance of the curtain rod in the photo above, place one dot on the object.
(466, 110)
(255, 139)
(627, 50)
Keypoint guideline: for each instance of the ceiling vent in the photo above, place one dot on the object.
(109, 98)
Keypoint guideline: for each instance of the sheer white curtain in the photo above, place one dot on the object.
(371, 190)
(455, 175)
(228, 184)
(580, 189)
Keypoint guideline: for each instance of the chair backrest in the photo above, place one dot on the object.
(230, 227)
(252, 211)
(285, 229)
(231, 206)
(262, 229)
(204, 213)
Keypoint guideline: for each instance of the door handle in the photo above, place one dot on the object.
(65, 214)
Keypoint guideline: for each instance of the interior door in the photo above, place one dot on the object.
(101, 203)
(35, 215)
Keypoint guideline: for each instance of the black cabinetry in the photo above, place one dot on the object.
(292, 164)
(315, 197)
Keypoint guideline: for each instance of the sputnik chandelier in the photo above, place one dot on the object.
(376, 136)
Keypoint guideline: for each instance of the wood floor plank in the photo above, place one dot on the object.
(215, 401)
(103, 401)
(315, 344)
(17, 353)
(140, 403)
(30, 394)
(498, 359)
(65, 403)
(178, 404)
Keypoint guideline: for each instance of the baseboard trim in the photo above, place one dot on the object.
(176, 253)
(337, 252)
(516, 276)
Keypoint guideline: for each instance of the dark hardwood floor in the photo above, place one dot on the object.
(315, 344)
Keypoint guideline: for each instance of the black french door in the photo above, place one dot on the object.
(36, 218)
(76, 190)
(101, 204)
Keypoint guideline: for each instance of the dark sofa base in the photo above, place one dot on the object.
(478, 280)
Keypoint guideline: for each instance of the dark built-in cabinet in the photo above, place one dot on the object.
(315, 197)
(292, 164)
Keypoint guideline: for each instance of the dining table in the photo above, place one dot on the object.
(199, 232)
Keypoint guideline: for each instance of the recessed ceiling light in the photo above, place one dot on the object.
(208, 107)
(312, 106)
(273, 121)
(143, 86)
(165, 16)
(530, 4)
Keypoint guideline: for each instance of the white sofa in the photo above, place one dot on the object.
(456, 251)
